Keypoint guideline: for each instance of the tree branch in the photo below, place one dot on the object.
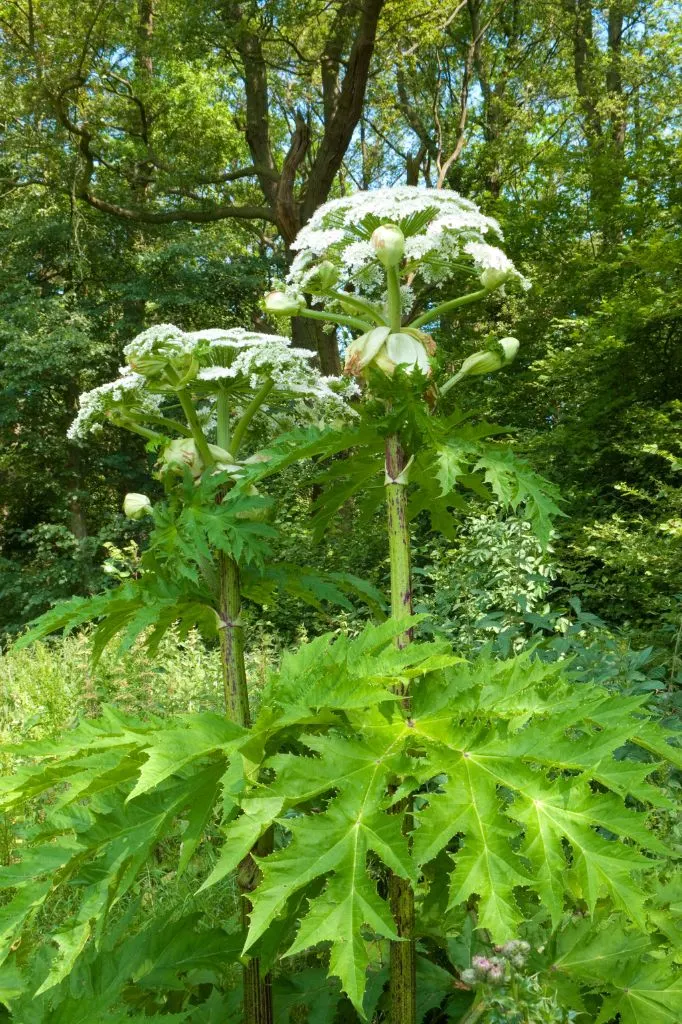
(339, 131)
(287, 209)
(142, 216)
(257, 112)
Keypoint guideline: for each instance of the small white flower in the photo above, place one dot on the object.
(216, 372)
(496, 264)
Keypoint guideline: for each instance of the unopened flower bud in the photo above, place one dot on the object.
(481, 965)
(136, 506)
(388, 242)
(496, 974)
(165, 355)
(492, 278)
(178, 456)
(283, 303)
(181, 455)
(321, 278)
(362, 350)
(488, 361)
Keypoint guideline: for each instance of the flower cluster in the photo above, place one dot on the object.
(126, 397)
(167, 359)
(164, 354)
(485, 971)
(508, 993)
(493, 970)
(442, 231)
(245, 355)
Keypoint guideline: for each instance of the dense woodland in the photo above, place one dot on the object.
(156, 163)
(158, 159)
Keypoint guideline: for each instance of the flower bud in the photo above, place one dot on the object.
(405, 350)
(492, 278)
(181, 455)
(364, 349)
(321, 278)
(379, 347)
(178, 456)
(388, 242)
(283, 303)
(136, 506)
(489, 360)
(165, 355)
(496, 974)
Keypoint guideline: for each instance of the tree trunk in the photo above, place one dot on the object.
(307, 334)
(604, 124)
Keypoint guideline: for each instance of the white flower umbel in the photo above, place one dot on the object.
(254, 358)
(155, 350)
(233, 361)
(495, 266)
(444, 234)
(125, 396)
(377, 261)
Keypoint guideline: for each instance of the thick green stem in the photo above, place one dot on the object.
(446, 307)
(394, 300)
(248, 414)
(232, 642)
(398, 534)
(137, 428)
(168, 424)
(403, 983)
(475, 1012)
(337, 318)
(190, 412)
(258, 1007)
(223, 420)
(361, 305)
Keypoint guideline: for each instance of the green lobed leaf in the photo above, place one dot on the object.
(336, 843)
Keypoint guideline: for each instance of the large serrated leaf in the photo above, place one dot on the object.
(334, 845)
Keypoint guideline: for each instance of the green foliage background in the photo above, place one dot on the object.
(580, 162)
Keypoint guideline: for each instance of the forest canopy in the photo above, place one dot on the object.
(158, 159)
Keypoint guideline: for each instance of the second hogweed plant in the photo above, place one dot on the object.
(440, 840)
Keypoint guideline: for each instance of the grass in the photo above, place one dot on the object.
(50, 686)
(47, 688)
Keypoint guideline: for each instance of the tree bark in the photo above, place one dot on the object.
(289, 201)
(604, 128)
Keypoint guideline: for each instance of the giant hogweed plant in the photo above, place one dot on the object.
(451, 841)
(197, 399)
